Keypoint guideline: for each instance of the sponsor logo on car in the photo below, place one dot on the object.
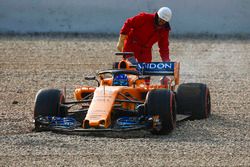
(156, 67)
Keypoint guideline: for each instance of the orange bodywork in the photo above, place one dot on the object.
(83, 91)
(106, 97)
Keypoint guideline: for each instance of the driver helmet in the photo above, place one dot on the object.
(120, 80)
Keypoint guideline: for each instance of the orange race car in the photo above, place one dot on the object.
(124, 101)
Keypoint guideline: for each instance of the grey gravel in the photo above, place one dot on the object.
(28, 64)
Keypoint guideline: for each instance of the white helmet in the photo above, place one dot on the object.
(165, 13)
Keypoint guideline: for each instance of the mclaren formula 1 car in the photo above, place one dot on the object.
(124, 100)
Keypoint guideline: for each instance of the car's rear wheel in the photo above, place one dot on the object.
(48, 103)
(193, 99)
(160, 104)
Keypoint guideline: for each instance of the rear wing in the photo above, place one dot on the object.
(152, 69)
(156, 68)
(160, 69)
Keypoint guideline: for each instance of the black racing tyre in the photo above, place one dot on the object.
(193, 99)
(161, 103)
(47, 102)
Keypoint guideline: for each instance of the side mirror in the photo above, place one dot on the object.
(88, 78)
(92, 78)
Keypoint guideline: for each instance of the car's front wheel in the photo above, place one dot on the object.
(48, 102)
(160, 104)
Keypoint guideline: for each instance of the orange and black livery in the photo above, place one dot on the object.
(124, 100)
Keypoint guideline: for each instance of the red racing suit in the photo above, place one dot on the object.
(143, 32)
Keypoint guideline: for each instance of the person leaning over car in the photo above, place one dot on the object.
(141, 32)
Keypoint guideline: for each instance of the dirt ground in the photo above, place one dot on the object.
(28, 64)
